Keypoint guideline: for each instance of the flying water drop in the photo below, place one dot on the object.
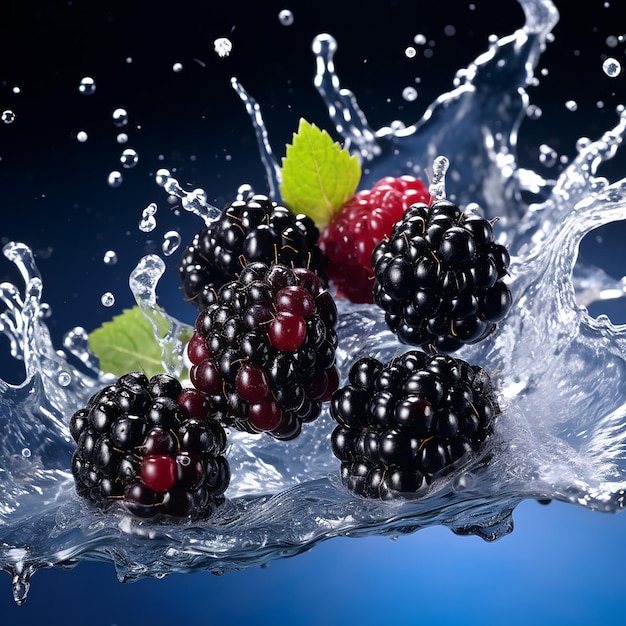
(171, 242)
(8, 116)
(107, 299)
(148, 219)
(120, 117)
(87, 86)
(611, 67)
(222, 46)
(129, 158)
(114, 179)
(285, 17)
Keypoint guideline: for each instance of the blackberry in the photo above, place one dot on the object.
(439, 277)
(151, 445)
(403, 424)
(264, 350)
(247, 231)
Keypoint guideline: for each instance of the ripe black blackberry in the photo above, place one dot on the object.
(151, 445)
(247, 231)
(403, 424)
(264, 351)
(439, 277)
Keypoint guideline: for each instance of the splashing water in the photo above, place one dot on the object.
(561, 374)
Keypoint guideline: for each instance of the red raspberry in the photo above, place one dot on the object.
(363, 221)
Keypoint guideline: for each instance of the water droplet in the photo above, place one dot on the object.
(8, 116)
(120, 117)
(611, 67)
(245, 192)
(16, 90)
(107, 299)
(122, 138)
(87, 86)
(161, 176)
(110, 257)
(82, 136)
(571, 105)
(533, 112)
(177, 67)
(547, 155)
(612, 41)
(449, 30)
(26, 452)
(148, 221)
(420, 39)
(410, 52)
(171, 242)
(129, 158)
(223, 46)
(437, 186)
(114, 179)
(64, 379)
(409, 94)
(285, 17)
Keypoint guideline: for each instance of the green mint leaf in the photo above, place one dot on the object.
(127, 343)
(318, 175)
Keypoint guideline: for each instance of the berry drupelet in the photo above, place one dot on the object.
(151, 445)
(247, 231)
(403, 424)
(439, 277)
(264, 351)
(363, 221)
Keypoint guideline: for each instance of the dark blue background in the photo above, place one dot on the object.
(562, 564)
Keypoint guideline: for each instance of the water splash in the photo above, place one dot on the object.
(561, 374)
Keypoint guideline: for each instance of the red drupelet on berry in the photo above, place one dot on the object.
(405, 423)
(438, 277)
(256, 229)
(363, 221)
(151, 445)
(264, 351)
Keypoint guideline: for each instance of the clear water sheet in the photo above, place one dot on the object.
(561, 375)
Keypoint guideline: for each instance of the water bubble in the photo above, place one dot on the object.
(409, 94)
(410, 52)
(110, 257)
(171, 242)
(26, 452)
(148, 221)
(64, 379)
(82, 136)
(129, 158)
(122, 138)
(107, 299)
(285, 17)
(115, 179)
(420, 39)
(611, 67)
(222, 46)
(120, 117)
(177, 67)
(8, 116)
(87, 86)
(571, 105)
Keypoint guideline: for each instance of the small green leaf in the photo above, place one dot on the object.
(318, 175)
(127, 343)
